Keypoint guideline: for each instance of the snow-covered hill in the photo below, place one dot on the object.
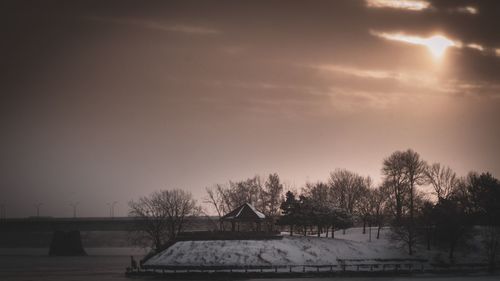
(294, 250)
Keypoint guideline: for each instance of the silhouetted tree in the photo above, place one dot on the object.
(216, 196)
(161, 215)
(484, 192)
(378, 201)
(226, 197)
(427, 222)
(272, 196)
(452, 225)
(404, 170)
(347, 189)
(442, 179)
(290, 209)
(246, 191)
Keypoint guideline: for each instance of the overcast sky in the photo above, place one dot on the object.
(106, 101)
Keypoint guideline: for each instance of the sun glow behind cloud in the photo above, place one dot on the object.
(436, 44)
(413, 5)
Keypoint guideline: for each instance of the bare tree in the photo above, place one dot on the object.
(364, 207)
(378, 203)
(246, 191)
(347, 189)
(162, 215)
(395, 182)
(404, 170)
(218, 198)
(319, 193)
(443, 180)
(318, 196)
(272, 196)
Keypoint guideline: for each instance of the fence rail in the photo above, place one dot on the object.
(329, 269)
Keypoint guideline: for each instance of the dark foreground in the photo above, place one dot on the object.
(109, 265)
(33, 264)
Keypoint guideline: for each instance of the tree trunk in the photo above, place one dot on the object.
(319, 233)
(370, 231)
(410, 232)
(378, 231)
(291, 230)
(333, 231)
(364, 226)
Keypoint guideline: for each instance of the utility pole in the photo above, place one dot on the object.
(38, 205)
(112, 208)
(74, 208)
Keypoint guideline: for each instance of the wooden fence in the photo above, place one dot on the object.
(375, 268)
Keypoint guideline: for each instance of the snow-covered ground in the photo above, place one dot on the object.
(296, 250)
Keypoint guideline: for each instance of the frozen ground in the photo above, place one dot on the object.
(296, 250)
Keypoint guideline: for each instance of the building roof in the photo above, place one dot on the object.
(245, 212)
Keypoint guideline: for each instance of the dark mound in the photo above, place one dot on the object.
(66, 244)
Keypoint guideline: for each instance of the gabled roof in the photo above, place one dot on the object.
(244, 212)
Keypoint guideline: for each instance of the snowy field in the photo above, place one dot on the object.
(296, 250)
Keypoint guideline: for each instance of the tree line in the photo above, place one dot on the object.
(447, 217)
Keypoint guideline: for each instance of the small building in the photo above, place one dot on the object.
(245, 215)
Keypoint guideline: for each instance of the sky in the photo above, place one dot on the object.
(105, 101)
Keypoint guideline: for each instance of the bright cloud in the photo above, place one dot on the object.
(436, 44)
(413, 5)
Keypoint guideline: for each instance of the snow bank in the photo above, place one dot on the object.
(287, 251)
